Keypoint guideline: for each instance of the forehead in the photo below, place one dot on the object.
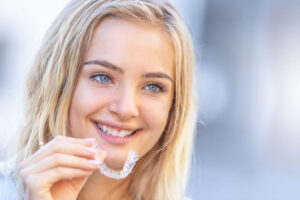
(137, 44)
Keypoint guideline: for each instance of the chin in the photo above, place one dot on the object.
(116, 160)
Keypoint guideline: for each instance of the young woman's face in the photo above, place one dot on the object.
(124, 90)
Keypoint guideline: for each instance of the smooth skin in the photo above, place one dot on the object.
(60, 169)
(138, 95)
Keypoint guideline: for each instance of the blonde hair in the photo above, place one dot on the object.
(162, 173)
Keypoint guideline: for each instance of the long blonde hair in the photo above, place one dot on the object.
(162, 173)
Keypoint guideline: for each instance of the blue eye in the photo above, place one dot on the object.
(154, 88)
(102, 78)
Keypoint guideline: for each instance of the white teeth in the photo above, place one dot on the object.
(104, 128)
(114, 132)
(122, 133)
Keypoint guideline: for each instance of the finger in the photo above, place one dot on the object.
(64, 145)
(60, 160)
(47, 178)
(59, 173)
(100, 155)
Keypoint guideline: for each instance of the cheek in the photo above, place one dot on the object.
(156, 114)
(78, 110)
(82, 102)
(88, 100)
(85, 102)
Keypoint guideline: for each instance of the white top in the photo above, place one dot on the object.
(8, 189)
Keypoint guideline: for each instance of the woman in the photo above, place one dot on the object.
(116, 74)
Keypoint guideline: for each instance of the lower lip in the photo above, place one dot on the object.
(115, 139)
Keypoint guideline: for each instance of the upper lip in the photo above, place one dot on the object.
(116, 126)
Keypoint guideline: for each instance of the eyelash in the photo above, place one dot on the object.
(160, 87)
(101, 75)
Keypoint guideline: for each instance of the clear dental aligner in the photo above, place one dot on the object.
(127, 168)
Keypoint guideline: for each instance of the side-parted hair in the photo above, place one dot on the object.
(163, 172)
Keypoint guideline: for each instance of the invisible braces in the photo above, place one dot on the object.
(132, 158)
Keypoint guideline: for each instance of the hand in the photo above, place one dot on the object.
(59, 170)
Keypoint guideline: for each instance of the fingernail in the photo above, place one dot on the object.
(89, 141)
(91, 150)
(94, 162)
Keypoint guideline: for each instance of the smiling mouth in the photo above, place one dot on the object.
(115, 132)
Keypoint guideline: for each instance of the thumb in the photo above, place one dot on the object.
(78, 183)
(72, 187)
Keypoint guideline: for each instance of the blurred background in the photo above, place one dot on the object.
(248, 81)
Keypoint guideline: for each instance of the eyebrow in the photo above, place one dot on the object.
(157, 75)
(104, 63)
(111, 66)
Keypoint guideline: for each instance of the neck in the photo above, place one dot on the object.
(100, 187)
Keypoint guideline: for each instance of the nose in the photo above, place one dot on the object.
(124, 105)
